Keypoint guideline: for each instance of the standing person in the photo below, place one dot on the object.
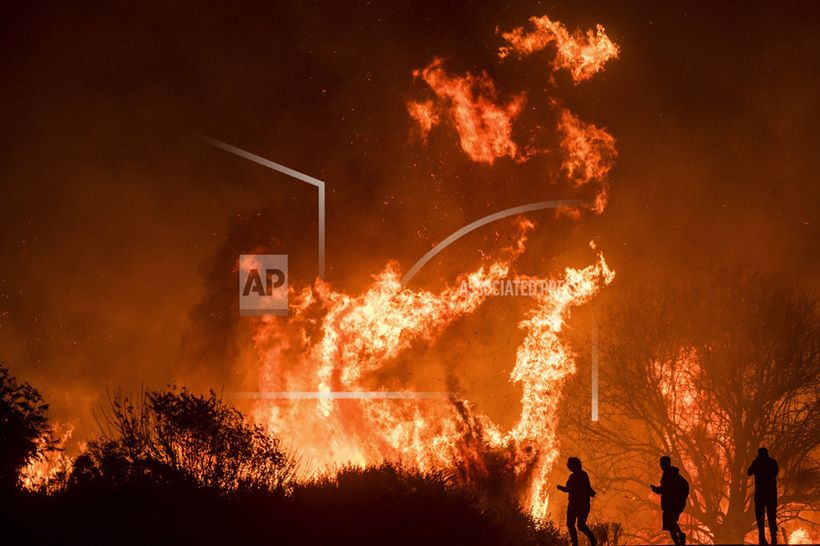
(580, 491)
(674, 490)
(765, 470)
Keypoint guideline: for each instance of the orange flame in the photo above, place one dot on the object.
(583, 54)
(351, 336)
(484, 124)
(589, 154)
(696, 412)
(424, 114)
(333, 341)
(38, 472)
(542, 363)
(800, 536)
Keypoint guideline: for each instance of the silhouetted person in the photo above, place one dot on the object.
(674, 490)
(580, 491)
(765, 470)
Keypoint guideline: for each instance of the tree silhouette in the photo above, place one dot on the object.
(707, 374)
(24, 428)
(175, 436)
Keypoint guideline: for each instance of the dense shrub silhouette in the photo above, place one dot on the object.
(180, 469)
(175, 437)
(24, 428)
(390, 504)
(373, 506)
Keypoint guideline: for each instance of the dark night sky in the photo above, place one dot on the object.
(119, 229)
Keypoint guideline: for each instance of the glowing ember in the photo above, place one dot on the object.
(583, 54)
(800, 536)
(484, 124)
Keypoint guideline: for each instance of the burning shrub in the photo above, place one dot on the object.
(25, 434)
(176, 437)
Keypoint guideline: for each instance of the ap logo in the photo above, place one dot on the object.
(263, 284)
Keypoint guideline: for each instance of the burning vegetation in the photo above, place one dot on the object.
(343, 339)
(335, 342)
(706, 375)
(583, 54)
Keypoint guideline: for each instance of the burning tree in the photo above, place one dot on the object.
(707, 375)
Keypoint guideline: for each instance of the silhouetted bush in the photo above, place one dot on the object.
(24, 428)
(390, 504)
(175, 436)
(372, 506)
(181, 469)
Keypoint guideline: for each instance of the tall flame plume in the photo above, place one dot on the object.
(335, 341)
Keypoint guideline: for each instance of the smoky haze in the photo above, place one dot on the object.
(121, 230)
